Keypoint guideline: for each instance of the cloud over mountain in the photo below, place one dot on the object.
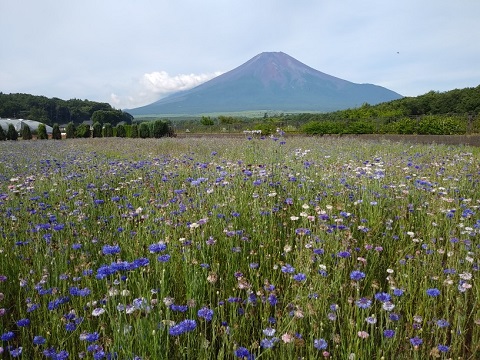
(156, 85)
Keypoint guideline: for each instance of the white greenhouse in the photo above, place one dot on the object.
(19, 124)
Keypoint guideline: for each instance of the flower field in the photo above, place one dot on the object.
(247, 248)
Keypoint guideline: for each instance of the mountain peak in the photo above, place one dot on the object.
(270, 81)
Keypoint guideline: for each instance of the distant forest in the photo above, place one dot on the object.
(452, 112)
(58, 111)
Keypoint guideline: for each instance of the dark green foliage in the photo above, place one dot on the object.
(267, 128)
(3, 136)
(322, 127)
(70, 131)
(97, 130)
(26, 132)
(360, 127)
(159, 129)
(48, 111)
(441, 125)
(207, 121)
(143, 130)
(83, 131)
(107, 130)
(134, 131)
(111, 116)
(121, 132)
(12, 133)
(42, 132)
(56, 133)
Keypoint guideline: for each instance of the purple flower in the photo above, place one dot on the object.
(442, 323)
(16, 352)
(205, 313)
(357, 275)
(157, 247)
(434, 292)
(398, 292)
(110, 249)
(363, 303)
(164, 258)
(287, 268)
(443, 348)
(39, 340)
(9, 335)
(389, 333)
(242, 353)
(268, 343)
(182, 327)
(382, 297)
(299, 277)
(416, 341)
(320, 344)
(23, 322)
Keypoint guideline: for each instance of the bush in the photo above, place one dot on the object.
(83, 131)
(42, 132)
(322, 127)
(97, 130)
(56, 133)
(134, 131)
(121, 131)
(360, 127)
(70, 130)
(3, 136)
(12, 133)
(107, 130)
(143, 130)
(26, 132)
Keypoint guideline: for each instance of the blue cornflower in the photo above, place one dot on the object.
(179, 308)
(398, 292)
(287, 268)
(110, 249)
(268, 343)
(242, 353)
(272, 299)
(299, 277)
(434, 292)
(269, 331)
(389, 333)
(382, 297)
(394, 317)
(442, 323)
(23, 322)
(157, 247)
(343, 254)
(39, 340)
(443, 348)
(182, 327)
(205, 313)
(9, 335)
(16, 352)
(320, 344)
(357, 275)
(164, 258)
(416, 341)
(91, 337)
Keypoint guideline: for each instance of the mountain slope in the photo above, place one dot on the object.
(270, 81)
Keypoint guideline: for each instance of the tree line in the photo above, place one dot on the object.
(152, 129)
(54, 110)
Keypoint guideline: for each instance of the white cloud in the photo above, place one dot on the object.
(156, 85)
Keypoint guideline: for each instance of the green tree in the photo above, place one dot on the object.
(107, 130)
(3, 136)
(83, 131)
(160, 129)
(12, 133)
(143, 130)
(42, 132)
(56, 133)
(97, 130)
(207, 121)
(134, 131)
(121, 132)
(26, 132)
(70, 130)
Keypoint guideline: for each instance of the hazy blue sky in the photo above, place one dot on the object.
(133, 52)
